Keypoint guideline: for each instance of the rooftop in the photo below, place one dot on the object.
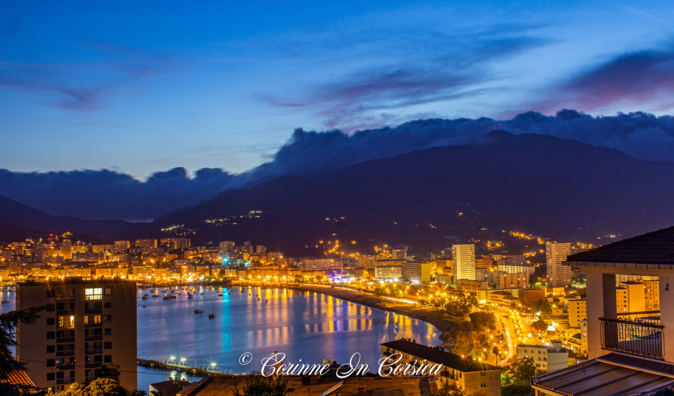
(608, 375)
(438, 355)
(656, 247)
(549, 348)
(17, 377)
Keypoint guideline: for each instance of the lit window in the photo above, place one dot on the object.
(93, 294)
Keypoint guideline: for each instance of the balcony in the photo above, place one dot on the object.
(94, 351)
(70, 352)
(64, 339)
(98, 337)
(635, 337)
(93, 310)
(93, 365)
(70, 366)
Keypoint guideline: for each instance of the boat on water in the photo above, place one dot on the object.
(169, 297)
(153, 290)
(220, 294)
(145, 296)
(211, 316)
(4, 301)
(155, 295)
(190, 296)
(198, 311)
(164, 290)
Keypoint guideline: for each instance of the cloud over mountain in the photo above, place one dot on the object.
(109, 194)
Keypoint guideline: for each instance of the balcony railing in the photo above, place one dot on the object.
(94, 351)
(651, 317)
(69, 352)
(633, 337)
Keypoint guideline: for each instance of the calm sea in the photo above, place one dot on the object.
(303, 325)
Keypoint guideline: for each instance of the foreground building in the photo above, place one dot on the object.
(469, 376)
(546, 357)
(630, 352)
(86, 325)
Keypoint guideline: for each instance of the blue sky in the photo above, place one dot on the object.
(139, 87)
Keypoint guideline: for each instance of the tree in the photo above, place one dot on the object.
(517, 390)
(482, 321)
(8, 323)
(522, 370)
(458, 308)
(541, 306)
(539, 325)
(258, 385)
(100, 387)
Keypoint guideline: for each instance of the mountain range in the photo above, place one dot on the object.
(429, 199)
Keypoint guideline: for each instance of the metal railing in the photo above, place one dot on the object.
(636, 338)
(650, 317)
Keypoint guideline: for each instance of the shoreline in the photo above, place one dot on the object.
(450, 327)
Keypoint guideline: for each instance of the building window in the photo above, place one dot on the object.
(51, 321)
(50, 335)
(93, 293)
(108, 332)
(92, 319)
(50, 348)
(51, 293)
(107, 345)
(107, 318)
(50, 376)
(50, 362)
(108, 305)
(107, 359)
(108, 291)
(66, 322)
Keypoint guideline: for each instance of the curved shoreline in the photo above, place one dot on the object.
(449, 326)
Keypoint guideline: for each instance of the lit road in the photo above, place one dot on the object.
(511, 347)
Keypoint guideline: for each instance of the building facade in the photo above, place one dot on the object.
(555, 254)
(86, 325)
(463, 259)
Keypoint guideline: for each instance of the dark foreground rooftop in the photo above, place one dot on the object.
(612, 374)
(656, 247)
(438, 355)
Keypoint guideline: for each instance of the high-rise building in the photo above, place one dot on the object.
(146, 243)
(416, 271)
(577, 312)
(630, 297)
(121, 247)
(555, 254)
(463, 259)
(86, 325)
(399, 254)
(651, 293)
(67, 249)
(227, 248)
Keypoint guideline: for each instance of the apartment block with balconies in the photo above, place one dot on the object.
(87, 324)
(630, 352)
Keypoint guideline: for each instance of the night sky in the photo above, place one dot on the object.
(139, 87)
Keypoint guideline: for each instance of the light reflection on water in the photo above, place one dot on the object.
(303, 325)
